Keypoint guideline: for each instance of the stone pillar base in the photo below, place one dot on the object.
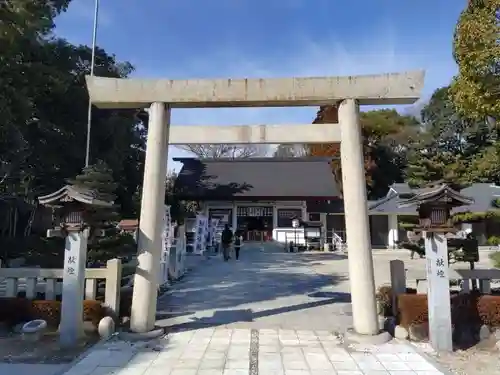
(380, 338)
(140, 336)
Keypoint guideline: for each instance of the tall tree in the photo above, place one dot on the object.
(449, 144)
(99, 179)
(179, 209)
(386, 139)
(43, 108)
(476, 89)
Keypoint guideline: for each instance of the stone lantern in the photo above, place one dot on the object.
(434, 205)
(73, 208)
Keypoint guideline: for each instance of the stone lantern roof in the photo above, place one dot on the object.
(71, 193)
(437, 194)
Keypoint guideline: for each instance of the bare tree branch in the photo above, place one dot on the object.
(226, 151)
(290, 151)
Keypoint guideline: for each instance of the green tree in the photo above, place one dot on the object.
(387, 137)
(43, 109)
(179, 209)
(476, 88)
(449, 144)
(98, 178)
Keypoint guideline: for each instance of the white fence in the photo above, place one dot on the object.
(465, 277)
(47, 280)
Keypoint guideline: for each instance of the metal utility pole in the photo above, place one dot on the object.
(92, 63)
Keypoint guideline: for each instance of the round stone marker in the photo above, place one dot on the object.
(34, 326)
(106, 327)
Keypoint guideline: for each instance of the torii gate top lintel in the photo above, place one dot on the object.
(162, 95)
(387, 89)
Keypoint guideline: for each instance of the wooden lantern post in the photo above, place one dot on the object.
(434, 205)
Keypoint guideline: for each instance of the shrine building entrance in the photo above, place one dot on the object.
(255, 223)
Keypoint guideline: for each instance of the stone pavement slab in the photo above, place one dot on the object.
(222, 351)
(30, 369)
(264, 289)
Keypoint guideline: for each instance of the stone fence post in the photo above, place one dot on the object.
(398, 282)
(113, 285)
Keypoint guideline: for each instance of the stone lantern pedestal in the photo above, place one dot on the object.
(71, 206)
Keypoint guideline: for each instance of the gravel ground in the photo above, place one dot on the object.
(482, 359)
(14, 349)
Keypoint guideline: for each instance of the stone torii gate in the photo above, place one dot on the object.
(161, 96)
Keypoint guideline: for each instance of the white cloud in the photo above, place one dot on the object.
(309, 58)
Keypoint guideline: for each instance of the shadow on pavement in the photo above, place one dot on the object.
(224, 317)
(258, 279)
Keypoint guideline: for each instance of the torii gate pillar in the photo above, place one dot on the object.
(350, 92)
(361, 275)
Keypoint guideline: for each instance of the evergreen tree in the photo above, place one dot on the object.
(98, 180)
(449, 146)
(476, 88)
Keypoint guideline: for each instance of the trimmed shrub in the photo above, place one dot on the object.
(50, 311)
(18, 310)
(384, 296)
(125, 303)
(93, 311)
(495, 258)
(412, 309)
(488, 309)
(467, 310)
(493, 241)
(14, 310)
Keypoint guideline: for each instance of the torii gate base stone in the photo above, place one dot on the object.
(160, 96)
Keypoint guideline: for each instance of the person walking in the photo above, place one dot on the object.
(238, 242)
(226, 240)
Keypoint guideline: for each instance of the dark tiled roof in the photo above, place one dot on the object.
(482, 194)
(402, 188)
(390, 205)
(255, 178)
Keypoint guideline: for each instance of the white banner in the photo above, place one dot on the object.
(167, 241)
(200, 234)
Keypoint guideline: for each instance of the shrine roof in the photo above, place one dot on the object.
(72, 193)
(256, 178)
(481, 193)
(437, 193)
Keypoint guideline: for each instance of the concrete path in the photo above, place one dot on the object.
(30, 369)
(222, 351)
(270, 313)
(266, 288)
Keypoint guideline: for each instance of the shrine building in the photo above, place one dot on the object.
(261, 196)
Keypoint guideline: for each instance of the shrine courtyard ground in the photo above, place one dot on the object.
(270, 313)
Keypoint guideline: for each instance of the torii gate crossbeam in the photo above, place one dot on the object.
(160, 96)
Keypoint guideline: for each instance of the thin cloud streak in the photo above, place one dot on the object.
(309, 58)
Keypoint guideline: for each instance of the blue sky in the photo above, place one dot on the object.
(269, 38)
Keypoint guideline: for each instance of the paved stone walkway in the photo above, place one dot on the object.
(271, 313)
(264, 289)
(222, 351)
(30, 369)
